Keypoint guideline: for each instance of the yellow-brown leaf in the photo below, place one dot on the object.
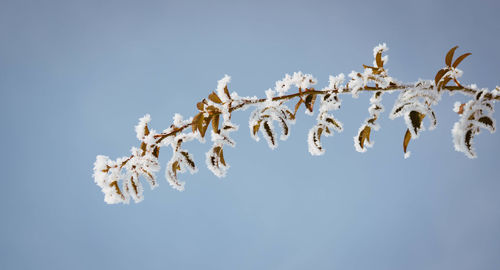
(222, 157)
(227, 92)
(197, 122)
(156, 151)
(460, 59)
(215, 98)
(310, 101)
(406, 140)
(204, 126)
(200, 105)
(378, 59)
(215, 123)
(364, 135)
(256, 127)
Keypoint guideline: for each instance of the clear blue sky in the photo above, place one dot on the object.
(76, 75)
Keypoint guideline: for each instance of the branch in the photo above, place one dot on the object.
(414, 103)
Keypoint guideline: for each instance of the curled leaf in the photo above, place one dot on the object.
(416, 121)
(221, 155)
(269, 134)
(364, 135)
(314, 141)
(216, 162)
(171, 173)
(189, 161)
(285, 128)
(334, 123)
(134, 187)
(310, 99)
(227, 92)
(406, 140)
(469, 135)
(117, 189)
(256, 127)
(487, 122)
(175, 167)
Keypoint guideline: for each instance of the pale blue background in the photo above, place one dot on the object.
(76, 75)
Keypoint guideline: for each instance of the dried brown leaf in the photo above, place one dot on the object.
(226, 91)
(215, 98)
(205, 124)
(190, 162)
(461, 109)
(175, 167)
(445, 82)
(378, 59)
(256, 127)
(197, 122)
(134, 186)
(200, 105)
(460, 59)
(215, 123)
(416, 120)
(468, 140)
(310, 99)
(487, 121)
(156, 151)
(449, 56)
(117, 189)
(221, 155)
(364, 135)
(333, 122)
(440, 75)
(269, 132)
(406, 140)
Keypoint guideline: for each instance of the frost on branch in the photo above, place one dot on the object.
(376, 74)
(362, 139)
(450, 72)
(414, 104)
(265, 114)
(299, 80)
(143, 162)
(119, 179)
(215, 157)
(325, 122)
(219, 107)
(475, 114)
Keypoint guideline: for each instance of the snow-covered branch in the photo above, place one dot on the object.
(119, 179)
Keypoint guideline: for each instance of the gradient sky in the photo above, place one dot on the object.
(75, 76)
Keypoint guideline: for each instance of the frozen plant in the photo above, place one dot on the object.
(119, 179)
